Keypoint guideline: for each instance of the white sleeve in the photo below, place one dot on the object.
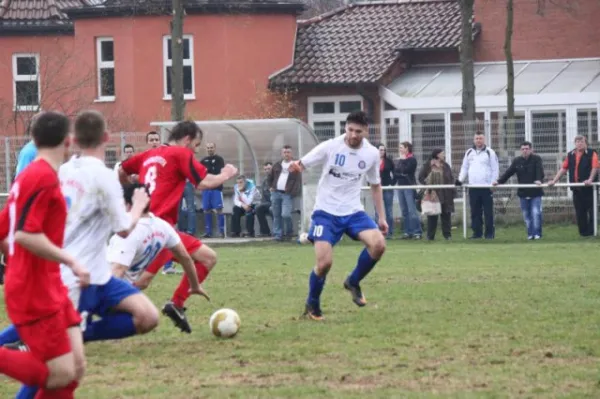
(495, 165)
(317, 154)
(172, 237)
(114, 204)
(120, 251)
(373, 175)
(464, 169)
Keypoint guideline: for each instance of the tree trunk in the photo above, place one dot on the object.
(466, 65)
(510, 74)
(177, 100)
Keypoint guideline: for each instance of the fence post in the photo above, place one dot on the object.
(464, 212)
(7, 162)
(595, 211)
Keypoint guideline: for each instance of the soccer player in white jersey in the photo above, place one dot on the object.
(131, 256)
(346, 161)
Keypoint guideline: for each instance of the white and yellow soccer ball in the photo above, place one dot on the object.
(303, 239)
(225, 323)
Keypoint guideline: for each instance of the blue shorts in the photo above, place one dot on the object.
(330, 228)
(212, 199)
(100, 299)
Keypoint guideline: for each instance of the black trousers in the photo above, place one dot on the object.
(583, 202)
(262, 211)
(236, 220)
(482, 202)
(432, 222)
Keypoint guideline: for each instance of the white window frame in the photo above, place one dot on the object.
(26, 78)
(104, 65)
(169, 63)
(337, 117)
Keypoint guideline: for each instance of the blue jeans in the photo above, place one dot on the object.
(188, 207)
(532, 214)
(388, 204)
(410, 215)
(281, 207)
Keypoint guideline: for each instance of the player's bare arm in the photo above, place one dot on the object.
(213, 181)
(41, 246)
(377, 193)
(183, 258)
(118, 270)
(140, 201)
(297, 166)
(124, 178)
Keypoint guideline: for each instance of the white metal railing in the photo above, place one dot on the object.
(466, 187)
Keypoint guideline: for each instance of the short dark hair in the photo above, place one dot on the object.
(287, 147)
(358, 117)
(268, 163)
(185, 129)
(150, 134)
(50, 129)
(479, 133)
(408, 146)
(126, 146)
(89, 129)
(128, 191)
(241, 177)
(527, 143)
(435, 153)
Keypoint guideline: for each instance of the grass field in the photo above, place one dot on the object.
(508, 318)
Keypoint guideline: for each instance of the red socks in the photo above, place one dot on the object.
(67, 392)
(23, 367)
(182, 293)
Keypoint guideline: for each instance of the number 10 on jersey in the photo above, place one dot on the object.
(340, 159)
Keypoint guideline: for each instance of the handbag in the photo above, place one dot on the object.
(430, 205)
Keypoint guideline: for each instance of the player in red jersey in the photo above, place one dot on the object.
(36, 299)
(165, 170)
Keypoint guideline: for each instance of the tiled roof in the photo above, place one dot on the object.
(37, 15)
(360, 42)
(140, 7)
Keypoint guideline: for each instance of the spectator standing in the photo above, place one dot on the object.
(386, 173)
(285, 185)
(438, 172)
(480, 166)
(582, 165)
(243, 205)
(152, 140)
(529, 169)
(264, 208)
(212, 200)
(187, 207)
(404, 174)
(128, 152)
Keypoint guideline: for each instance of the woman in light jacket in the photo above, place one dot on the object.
(404, 173)
(437, 172)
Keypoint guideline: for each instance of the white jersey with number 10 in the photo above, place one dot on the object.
(344, 172)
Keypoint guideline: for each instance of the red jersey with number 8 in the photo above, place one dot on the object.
(165, 170)
(33, 287)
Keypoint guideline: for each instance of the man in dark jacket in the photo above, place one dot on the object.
(285, 185)
(264, 208)
(386, 173)
(529, 170)
(582, 165)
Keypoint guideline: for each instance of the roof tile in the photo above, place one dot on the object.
(360, 42)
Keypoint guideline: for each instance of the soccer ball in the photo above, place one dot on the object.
(303, 239)
(225, 323)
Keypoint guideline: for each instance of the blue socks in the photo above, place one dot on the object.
(221, 220)
(8, 335)
(315, 284)
(208, 222)
(113, 326)
(26, 392)
(363, 267)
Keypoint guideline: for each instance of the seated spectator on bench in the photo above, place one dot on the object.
(264, 208)
(243, 205)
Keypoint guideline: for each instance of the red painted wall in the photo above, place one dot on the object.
(233, 58)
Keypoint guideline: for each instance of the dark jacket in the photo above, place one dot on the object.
(404, 171)
(584, 168)
(445, 195)
(213, 165)
(265, 191)
(293, 186)
(528, 171)
(387, 173)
